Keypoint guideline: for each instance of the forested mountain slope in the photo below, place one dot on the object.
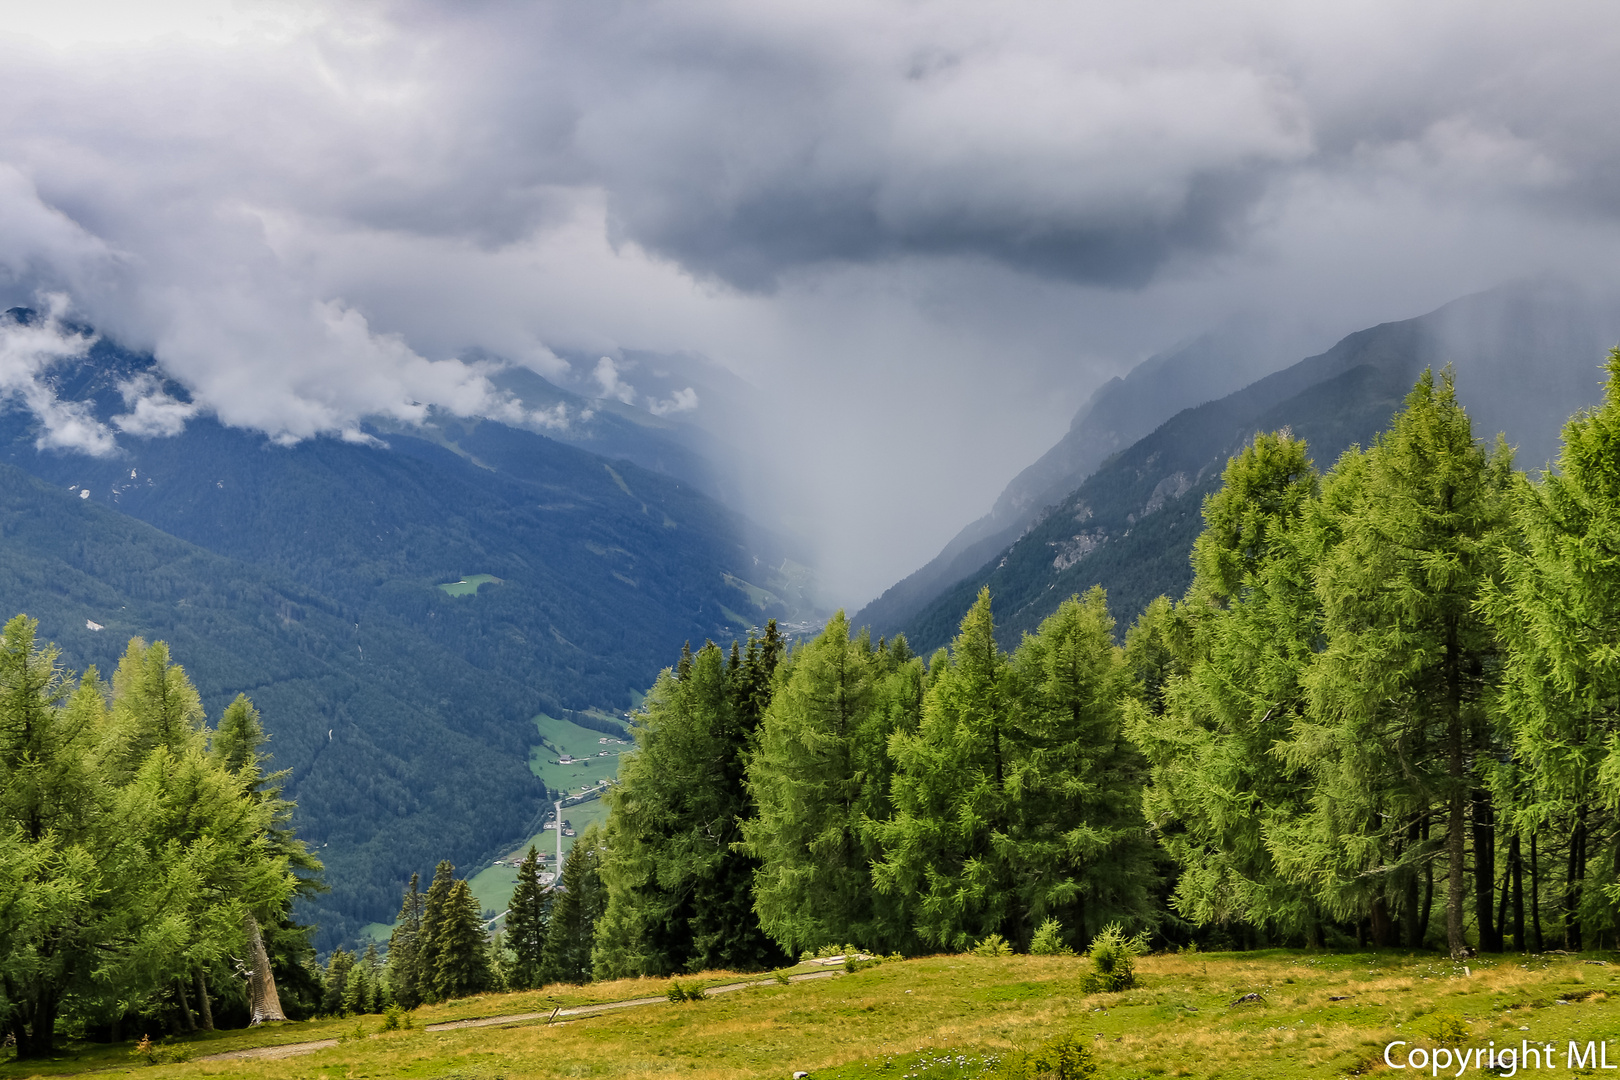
(306, 577)
(1527, 355)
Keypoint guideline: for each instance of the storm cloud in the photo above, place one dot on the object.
(925, 231)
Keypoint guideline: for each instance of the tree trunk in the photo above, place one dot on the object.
(1411, 917)
(1456, 800)
(1490, 930)
(1456, 875)
(1535, 895)
(1516, 867)
(34, 1028)
(1573, 882)
(203, 1005)
(1428, 901)
(262, 996)
(1378, 922)
(187, 1024)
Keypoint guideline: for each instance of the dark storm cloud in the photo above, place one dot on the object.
(905, 221)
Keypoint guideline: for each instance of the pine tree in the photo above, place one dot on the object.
(461, 956)
(527, 919)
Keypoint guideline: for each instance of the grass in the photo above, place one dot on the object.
(560, 737)
(468, 585)
(935, 1017)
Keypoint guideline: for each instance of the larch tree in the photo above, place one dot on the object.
(946, 845)
(819, 778)
(1557, 611)
(1079, 850)
(1222, 690)
(1399, 730)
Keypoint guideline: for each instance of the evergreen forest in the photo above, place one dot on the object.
(1386, 710)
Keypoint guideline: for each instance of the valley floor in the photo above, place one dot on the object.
(1312, 1015)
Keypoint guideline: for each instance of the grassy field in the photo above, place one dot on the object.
(493, 885)
(1316, 1015)
(468, 585)
(560, 737)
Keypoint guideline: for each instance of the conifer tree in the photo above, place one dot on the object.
(335, 996)
(461, 956)
(1558, 612)
(1076, 842)
(1399, 725)
(429, 948)
(819, 779)
(405, 947)
(679, 890)
(527, 919)
(1222, 686)
(581, 901)
(945, 847)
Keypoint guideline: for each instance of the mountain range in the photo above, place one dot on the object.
(1526, 356)
(308, 576)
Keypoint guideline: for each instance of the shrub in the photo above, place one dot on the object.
(397, 1019)
(153, 1054)
(1048, 940)
(679, 993)
(994, 945)
(1113, 960)
(1061, 1058)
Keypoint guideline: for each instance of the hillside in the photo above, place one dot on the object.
(305, 576)
(1526, 357)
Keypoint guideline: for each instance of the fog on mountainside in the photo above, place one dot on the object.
(1116, 415)
(1527, 355)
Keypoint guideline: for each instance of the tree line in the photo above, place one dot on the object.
(149, 870)
(1386, 709)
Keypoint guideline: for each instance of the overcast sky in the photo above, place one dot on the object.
(925, 230)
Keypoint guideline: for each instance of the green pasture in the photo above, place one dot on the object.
(559, 737)
(468, 585)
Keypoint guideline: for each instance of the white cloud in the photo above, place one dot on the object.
(684, 400)
(608, 382)
(28, 350)
(152, 410)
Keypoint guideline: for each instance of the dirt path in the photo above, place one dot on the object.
(272, 1053)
